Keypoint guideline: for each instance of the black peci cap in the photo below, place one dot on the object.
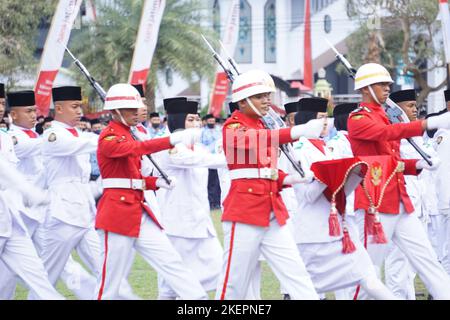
(180, 105)
(313, 104)
(403, 95)
(21, 98)
(66, 93)
(154, 115)
(2, 90)
(291, 107)
(344, 108)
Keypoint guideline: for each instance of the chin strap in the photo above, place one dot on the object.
(374, 97)
(253, 107)
(121, 118)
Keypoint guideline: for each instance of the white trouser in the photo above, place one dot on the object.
(243, 244)
(331, 270)
(201, 255)
(126, 291)
(57, 240)
(398, 274)
(446, 258)
(407, 232)
(437, 234)
(19, 255)
(154, 246)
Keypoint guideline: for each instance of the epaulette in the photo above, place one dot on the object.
(361, 108)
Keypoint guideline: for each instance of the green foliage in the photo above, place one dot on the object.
(405, 34)
(106, 46)
(19, 21)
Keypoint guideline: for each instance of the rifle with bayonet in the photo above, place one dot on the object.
(272, 120)
(393, 110)
(102, 94)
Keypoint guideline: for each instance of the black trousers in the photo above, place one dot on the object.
(213, 189)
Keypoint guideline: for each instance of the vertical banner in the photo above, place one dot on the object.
(230, 37)
(307, 55)
(445, 20)
(147, 37)
(53, 53)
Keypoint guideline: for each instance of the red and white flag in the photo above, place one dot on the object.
(52, 56)
(229, 40)
(445, 20)
(147, 37)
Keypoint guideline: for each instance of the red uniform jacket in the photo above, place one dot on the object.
(248, 145)
(119, 156)
(370, 133)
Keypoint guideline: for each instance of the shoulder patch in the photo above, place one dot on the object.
(52, 137)
(439, 139)
(109, 138)
(14, 140)
(233, 125)
(357, 117)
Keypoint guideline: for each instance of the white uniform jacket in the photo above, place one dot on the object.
(67, 159)
(185, 209)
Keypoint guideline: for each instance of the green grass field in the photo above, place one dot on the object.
(143, 278)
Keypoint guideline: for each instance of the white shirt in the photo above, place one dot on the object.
(67, 160)
(311, 218)
(442, 143)
(185, 209)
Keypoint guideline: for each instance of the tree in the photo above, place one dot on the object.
(19, 21)
(106, 45)
(397, 31)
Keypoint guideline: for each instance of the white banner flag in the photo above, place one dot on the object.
(229, 40)
(147, 37)
(445, 20)
(52, 56)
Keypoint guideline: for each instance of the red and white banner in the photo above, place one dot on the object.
(307, 56)
(445, 20)
(147, 37)
(229, 40)
(52, 56)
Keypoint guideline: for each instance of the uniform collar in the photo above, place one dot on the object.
(371, 106)
(61, 124)
(242, 116)
(16, 127)
(119, 125)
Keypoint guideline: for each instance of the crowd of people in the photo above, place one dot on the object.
(327, 199)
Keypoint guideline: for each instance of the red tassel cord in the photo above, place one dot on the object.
(378, 232)
(370, 220)
(333, 222)
(347, 244)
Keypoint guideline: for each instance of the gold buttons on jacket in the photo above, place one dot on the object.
(271, 193)
(250, 190)
(122, 198)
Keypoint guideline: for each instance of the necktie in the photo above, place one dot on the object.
(73, 131)
(30, 133)
(142, 129)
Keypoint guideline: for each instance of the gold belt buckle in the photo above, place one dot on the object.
(268, 173)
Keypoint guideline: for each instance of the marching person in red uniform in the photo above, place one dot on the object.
(371, 134)
(123, 217)
(254, 215)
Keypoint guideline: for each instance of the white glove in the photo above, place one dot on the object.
(35, 197)
(161, 183)
(297, 178)
(187, 137)
(440, 121)
(422, 164)
(311, 129)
